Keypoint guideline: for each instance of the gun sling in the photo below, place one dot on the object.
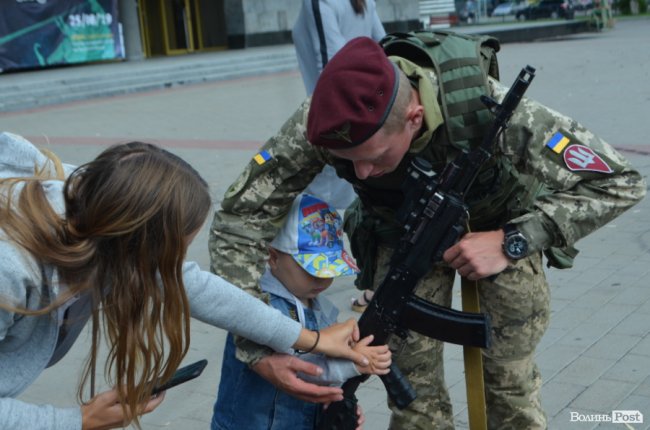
(472, 356)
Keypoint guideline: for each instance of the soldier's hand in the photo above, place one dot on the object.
(478, 255)
(281, 370)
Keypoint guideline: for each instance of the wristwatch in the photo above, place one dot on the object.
(515, 245)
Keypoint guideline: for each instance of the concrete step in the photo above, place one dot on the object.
(67, 93)
(53, 86)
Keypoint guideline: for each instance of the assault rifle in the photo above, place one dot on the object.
(434, 216)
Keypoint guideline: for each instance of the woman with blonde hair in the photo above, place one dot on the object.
(106, 241)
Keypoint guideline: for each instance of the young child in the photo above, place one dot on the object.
(304, 258)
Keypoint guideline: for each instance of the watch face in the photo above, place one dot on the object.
(516, 246)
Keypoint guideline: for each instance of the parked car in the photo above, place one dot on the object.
(583, 5)
(504, 9)
(547, 9)
(508, 8)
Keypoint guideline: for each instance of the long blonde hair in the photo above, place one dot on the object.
(128, 216)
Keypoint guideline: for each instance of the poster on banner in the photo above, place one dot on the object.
(41, 33)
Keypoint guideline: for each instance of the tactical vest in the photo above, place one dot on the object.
(462, 64)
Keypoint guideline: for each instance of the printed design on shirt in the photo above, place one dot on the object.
(558, 142)
(581, 158)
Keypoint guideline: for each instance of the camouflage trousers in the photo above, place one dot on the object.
(518, 303)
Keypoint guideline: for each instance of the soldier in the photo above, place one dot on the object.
(550, 183)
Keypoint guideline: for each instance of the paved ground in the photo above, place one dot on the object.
(595, 355)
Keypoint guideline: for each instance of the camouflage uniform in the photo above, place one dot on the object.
(578, 202)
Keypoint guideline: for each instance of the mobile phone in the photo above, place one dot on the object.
(183, 374)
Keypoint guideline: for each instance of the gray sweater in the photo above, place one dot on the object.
(29, 344)
(323, 27)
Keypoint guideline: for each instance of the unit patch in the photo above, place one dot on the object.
(581, 158)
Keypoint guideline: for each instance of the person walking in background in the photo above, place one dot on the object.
(324, 26)
(304, 258)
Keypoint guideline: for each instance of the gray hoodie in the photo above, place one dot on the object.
(30, 344)
(323, 27)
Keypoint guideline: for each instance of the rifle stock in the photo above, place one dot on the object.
(434, 216)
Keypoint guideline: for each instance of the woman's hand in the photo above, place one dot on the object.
(337, 341)
(104, 411)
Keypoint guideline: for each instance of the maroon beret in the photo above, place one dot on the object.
(353, 96)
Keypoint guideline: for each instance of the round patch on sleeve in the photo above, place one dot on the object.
(239, 184)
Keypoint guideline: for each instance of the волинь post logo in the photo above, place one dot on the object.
(616, 417)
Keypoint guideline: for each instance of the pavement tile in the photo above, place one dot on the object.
(612, 346)
(595, 299)
(569, 317)
(630, 368)
(556, 394)
(584, 335)
(634, 324)
(558, 303)
(644, 309)
(643, 347)
(633, 294)
(643, 389)
(572, 291)
(458, 395)
(584, 370)
(552, 335)
(602, 395)
(553, 360)
(636, 403)
(610, 315)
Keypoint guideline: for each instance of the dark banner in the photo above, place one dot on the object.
(40, 33)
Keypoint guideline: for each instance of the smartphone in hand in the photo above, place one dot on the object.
(183, 374)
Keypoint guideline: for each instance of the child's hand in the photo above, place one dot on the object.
(379, 357)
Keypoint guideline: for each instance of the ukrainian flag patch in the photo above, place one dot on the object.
(262, 157)
(558, 142)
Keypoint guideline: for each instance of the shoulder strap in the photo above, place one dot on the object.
(462, 64)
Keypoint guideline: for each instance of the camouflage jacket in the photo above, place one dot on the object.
(590, 184)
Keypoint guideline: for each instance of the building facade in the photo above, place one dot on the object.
(42, 33)
(169, 27)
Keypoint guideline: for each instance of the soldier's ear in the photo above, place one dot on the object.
(415, 115)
